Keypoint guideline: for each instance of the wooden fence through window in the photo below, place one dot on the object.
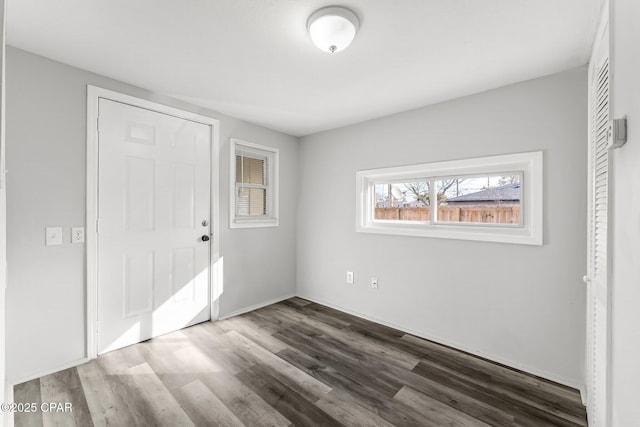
(477, 214)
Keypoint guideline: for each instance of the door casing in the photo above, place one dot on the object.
(94, 94)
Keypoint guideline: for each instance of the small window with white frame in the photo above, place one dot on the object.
(497, 199)
(254, 185)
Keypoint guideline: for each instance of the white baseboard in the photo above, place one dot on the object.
(49, 371)
(522, 367)
(256, 306)
(583, 394)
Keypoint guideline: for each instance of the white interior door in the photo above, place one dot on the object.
(153, 216)
(597, 276)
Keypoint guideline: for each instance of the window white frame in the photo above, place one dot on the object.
(272, 157)
(528, 165)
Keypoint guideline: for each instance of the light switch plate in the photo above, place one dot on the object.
(77, 234)
(350, 277)
(53, 236)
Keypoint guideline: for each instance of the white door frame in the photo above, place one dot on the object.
(94, 94)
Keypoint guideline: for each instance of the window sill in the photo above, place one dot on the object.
(254, 223)
(517, 235)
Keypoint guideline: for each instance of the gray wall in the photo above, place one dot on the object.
(46, 138)
(625, 202)
(521, 305)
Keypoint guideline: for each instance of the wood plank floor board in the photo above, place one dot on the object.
(105, 404)
(461, 402)
(189, 363)
(328, 318)
(28, 392)
(297, 363)
(508, 389)
(116, 378)
(394, 412)
(550, 395)
(434, 411)
(61, 388)
(464, 403)
(299, 301)
(364, 390)
(216, 346)
(170, 369)
(358, 373)
(298, 380)
(344, 338)
(302, 361)
(358, 387)
(253, 331)
(318, 310)
(277, 317)
(203, 407)
(349, 411)
(362, 367)
(368, 396)
(267, 322)
(118, 362)
(161, 407)
(549, 388)
(286, 400)
(248, 406)
(521, 410)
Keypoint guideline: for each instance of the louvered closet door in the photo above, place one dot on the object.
(597, 295)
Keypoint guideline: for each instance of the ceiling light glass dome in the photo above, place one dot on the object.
(332, 28)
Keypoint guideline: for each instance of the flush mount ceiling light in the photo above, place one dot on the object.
(332, 28)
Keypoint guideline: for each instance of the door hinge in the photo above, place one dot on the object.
(98, 123)
(98, 226)
(97, 327)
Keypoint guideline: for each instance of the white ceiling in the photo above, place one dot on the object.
(253, 59)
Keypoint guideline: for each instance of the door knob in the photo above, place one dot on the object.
(205, 238)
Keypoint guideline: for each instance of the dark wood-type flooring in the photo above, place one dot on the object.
(297, 363)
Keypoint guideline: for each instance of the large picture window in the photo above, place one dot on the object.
(496, 199)
(254, 171)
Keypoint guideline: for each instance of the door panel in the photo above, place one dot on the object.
(138, 283)
(153, 196)
(184, 192)
(139, 194)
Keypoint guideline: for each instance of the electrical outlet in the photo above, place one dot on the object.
(77, 234)
(350, 277)
(374, 283)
